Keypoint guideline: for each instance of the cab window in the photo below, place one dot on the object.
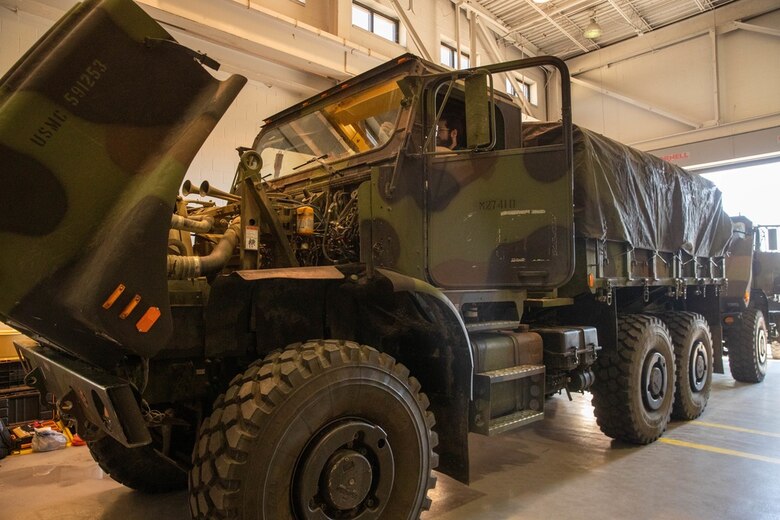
(351, 125)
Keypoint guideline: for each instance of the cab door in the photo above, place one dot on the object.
(500, 218)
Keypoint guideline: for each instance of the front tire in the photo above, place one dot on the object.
(325, 429)
(692, 342)
(634, 388)
(748, 348)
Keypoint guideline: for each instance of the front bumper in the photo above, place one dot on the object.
(94, 397)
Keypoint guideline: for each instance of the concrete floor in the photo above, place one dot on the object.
(725, 465)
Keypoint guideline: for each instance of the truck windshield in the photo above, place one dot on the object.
(350, 126)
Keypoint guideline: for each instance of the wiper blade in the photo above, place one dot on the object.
(313, 159)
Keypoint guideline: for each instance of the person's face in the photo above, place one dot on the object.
(444, 136)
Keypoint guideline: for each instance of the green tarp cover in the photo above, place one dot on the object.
(626, 195)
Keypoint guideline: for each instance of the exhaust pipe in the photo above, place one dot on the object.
(207, 190)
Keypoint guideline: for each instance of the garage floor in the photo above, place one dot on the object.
(724, 465)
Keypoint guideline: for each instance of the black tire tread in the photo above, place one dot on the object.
(679, 325)
(613, 407)
(743, 359)
(142, 468)
(233, 425)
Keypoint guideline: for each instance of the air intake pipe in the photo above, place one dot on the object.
(185, 267)
(194, 224)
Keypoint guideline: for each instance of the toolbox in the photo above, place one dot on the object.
(21, 405)
(11, 373)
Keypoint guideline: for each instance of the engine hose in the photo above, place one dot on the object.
(178, 245)
(185, 267)
(194, 225)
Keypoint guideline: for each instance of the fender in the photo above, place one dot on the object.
(451, 410)
(252, 313)
(403, 283)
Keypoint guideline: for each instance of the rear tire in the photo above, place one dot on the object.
(325, 429)
(692, 342)
(142, 469)
(634, 388)
(748, 348)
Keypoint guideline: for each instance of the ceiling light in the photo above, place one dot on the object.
(593, 30)
(541, 1)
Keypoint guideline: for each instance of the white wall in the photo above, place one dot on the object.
(18, 32)
(672, 70)
(217, 160)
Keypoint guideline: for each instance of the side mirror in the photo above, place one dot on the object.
(479, 116)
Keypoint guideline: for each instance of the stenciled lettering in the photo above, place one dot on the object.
(500, 204)
(49, 127)
(85, 82)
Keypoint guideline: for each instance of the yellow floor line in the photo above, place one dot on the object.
(722, 451)
(734, 428)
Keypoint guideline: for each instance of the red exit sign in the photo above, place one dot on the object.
(676, 156)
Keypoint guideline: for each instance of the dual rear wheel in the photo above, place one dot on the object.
(662, 367)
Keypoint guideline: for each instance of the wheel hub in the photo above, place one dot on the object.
(761, 346)
(346, 471)
(698, 368)
(347, 478)
(654, 378)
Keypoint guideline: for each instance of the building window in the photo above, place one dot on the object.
(449, 57)
(527, 89)
(375, 22)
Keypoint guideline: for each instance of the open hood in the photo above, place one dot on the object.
(99, 122)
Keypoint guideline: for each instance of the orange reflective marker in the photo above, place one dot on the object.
(130, 306)
(148, 320)
(114, 296)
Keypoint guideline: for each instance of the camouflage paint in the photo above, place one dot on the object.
(500, 219)
(98, 125)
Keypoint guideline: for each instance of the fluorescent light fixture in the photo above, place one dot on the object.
(593, 30)
(541, 1)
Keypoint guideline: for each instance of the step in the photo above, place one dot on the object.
(486, 326)
(511, 373)
(514, 420)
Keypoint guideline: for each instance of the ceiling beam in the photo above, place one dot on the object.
(627, 18)
(412, 32)
(502, 30)
(757, 28)
(557, 25)
(671, 35)
(632, 101)
(289, 53)
(495, 56)
(553, 11)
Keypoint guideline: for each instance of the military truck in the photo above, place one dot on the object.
(365, 298)
(750, 305)
(766, 270)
